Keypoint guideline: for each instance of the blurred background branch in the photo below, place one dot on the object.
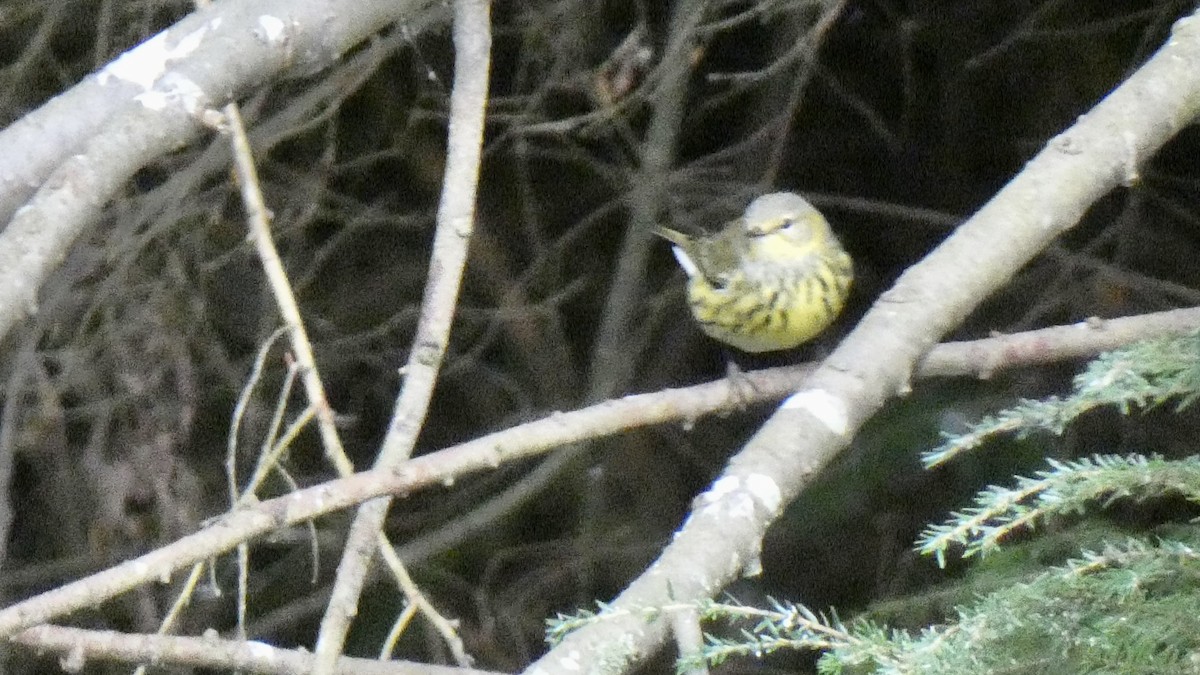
(896, 118)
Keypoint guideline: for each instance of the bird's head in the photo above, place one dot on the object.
(783, 225)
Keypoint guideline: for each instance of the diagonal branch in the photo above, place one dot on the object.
(84, 145)
(455, 222)
(541, 436)
(721, 538)
(611, 366)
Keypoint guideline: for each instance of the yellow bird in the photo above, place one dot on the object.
(769, 280)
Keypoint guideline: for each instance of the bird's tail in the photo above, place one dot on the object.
(674, 236)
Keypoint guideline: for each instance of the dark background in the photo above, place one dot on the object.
(903, 122)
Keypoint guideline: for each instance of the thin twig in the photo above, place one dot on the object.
(611, 366)
(81, 646)
(181, 602)
(541, 436)
(455, 222)
(258, 217)
(806, 52)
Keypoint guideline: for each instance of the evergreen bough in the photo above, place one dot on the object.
(1127, 607)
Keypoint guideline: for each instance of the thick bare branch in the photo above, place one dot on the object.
(536, 438)
(82, 146)
(721, 538)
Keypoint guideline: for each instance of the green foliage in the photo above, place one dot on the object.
(781, 627)
(562, 624)
(1127, 607)
(1145, 374)
(1067, 488)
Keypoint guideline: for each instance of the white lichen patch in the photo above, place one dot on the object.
(261, 651)
(571, 661)
(728, 497)
(765, 491)
(827, 408)
(174, 89)
(720, 489)
(146, 63)
(271, 30)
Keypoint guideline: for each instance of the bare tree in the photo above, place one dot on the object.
(255, 247)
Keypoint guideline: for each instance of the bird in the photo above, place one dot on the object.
(770, 280)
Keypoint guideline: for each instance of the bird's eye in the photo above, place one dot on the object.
(769, 227)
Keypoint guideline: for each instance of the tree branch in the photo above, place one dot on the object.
(541, 436)
(455, 222)
(85, 144)
(78, 646)
(722, 536)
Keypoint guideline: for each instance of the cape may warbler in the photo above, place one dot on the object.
(772, 279)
